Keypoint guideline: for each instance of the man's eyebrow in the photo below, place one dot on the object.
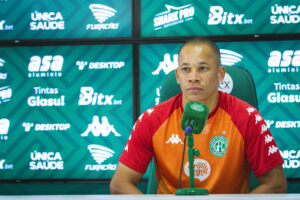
(184, 63)
(203, 63)
(200, 63)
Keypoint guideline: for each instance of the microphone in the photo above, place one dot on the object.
(194, 117)
(193, 121)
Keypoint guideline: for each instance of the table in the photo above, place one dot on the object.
(158, 197)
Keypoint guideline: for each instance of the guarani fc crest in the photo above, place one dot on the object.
(218, 145)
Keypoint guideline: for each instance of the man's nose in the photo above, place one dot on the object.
(194, 76)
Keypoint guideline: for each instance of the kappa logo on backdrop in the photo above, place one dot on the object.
(100, 154)
(287, 14)
(100, 129)
(4, 27)
(287, 61)
(167, 65)
(102, 13)
(173, 16)
(202, 169)
(46, 66)
(217, 15)
(47, 21)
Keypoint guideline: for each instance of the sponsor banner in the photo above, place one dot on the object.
(273, 65)
(5, 94)
(5, 166)
(188, 18)
(46, 161)
(65, 20)
(3, 74)
(28, 127)
(57, 107)
(291, 161)
(4, 126)
(100, 154)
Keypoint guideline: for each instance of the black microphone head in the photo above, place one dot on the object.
(196, 113)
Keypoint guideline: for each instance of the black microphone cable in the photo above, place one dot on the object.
(184, 144)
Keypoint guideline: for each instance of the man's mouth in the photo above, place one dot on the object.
(194, 89)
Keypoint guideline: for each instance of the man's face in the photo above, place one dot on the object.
(198, 74)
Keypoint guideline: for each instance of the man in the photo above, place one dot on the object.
(235, 138)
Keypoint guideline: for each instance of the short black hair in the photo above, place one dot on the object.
(205, 41)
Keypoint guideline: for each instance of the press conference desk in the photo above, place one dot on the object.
(158, 197)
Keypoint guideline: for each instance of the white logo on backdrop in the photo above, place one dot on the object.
(88, 96)
(100, 153)
(46, 21)
(46, 66)
(5, 94)
(4, 27)
(39, 100)
(5, 166)
(97, 128)
(101, 14)
(287, 61)
(4, 126)
(173, 15)
(226, 85)
(2, 62)
(230, 58)
(45, 127)
(2, 75)
(2, 164)
(100, 65)
(167, 65)
(218, 16)
(46, 161)
(291, 158)
(287, 14)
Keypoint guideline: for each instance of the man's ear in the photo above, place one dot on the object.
(177, 76)
(221, 73)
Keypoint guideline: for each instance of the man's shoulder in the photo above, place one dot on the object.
(237, 108)
(233, 102)
(162, 110)
(168, 105)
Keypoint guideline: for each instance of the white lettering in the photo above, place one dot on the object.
(279, 98)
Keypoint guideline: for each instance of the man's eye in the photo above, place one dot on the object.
(185, 69)
(202, 68)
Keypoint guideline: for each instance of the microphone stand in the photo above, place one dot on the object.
(192, 152)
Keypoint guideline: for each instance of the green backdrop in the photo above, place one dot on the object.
(54, 120)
